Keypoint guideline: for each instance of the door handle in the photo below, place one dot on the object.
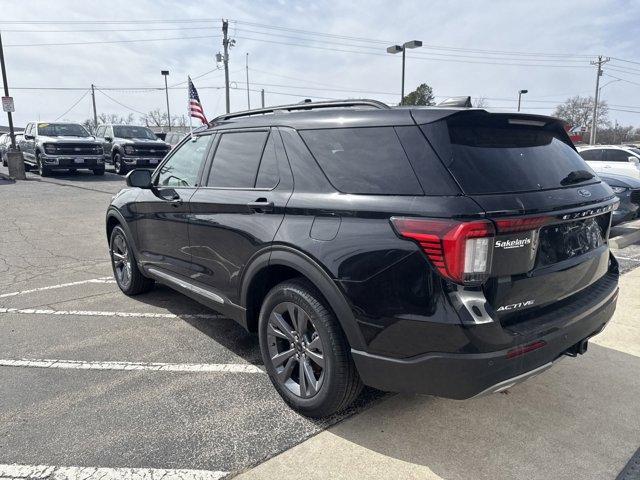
(261, 205)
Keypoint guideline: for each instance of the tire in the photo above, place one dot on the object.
(98, 171)
(320, 350)
(43, 170)
(119, 165)
(125, 268)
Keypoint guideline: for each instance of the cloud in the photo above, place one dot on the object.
(290, 72)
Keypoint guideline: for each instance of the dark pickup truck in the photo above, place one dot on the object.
(129, 146)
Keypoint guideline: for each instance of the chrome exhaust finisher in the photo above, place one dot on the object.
(510, 382)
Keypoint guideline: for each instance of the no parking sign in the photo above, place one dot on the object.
(7, 104)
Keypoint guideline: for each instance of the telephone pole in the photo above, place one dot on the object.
(93, 100)
(225, 44)
(594, 123)
(12, 134)
(248, 97)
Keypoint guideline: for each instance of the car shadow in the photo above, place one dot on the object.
(235, 338)
(578, 420)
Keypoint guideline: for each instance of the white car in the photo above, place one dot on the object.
(617, 159)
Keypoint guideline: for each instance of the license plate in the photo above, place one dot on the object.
(78, 160)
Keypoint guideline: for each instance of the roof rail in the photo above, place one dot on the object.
(301, 106)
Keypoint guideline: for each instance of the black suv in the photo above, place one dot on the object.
(130, 146)
(445, 251)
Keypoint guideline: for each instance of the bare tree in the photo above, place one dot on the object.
(154, 118)
(578, 112)
(481, 102)
(115, 118)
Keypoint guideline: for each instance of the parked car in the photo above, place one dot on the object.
(446, 251)
(5, 143)
(621, 160)
(173, 138)
(129, 146)
(628, 191)
(60, 146)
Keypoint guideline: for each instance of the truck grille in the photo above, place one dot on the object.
(78, 149)
(635, 196)
(150, 151)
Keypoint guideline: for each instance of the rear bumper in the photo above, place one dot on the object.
(150, 162)
(465, 375)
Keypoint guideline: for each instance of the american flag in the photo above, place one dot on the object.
(195, 108)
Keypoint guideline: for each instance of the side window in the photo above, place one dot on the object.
(100, 131)
(268, 174)
(181, 170)
(30, 129)
(612, 155)
(593, 155)
(237, 158)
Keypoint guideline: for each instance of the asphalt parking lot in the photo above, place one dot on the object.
(92, 379)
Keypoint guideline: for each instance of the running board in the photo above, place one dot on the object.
(183, 284)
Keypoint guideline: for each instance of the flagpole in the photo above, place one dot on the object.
(189, 106)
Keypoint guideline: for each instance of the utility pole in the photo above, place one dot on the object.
(262, 97)
(248, 97)
(225, 44)
(95, 113)
(6, 94)
(594, 122)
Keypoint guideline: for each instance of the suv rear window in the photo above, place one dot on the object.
(363, 160)
(494, 155)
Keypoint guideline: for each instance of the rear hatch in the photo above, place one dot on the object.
(551, 212)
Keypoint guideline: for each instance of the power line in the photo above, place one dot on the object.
(120, 103)
(73, 105)
(103, 42)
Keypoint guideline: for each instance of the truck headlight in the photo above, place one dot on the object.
(619, 189)
(129, 150)
(49, 148)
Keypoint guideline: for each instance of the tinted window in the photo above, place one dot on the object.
(491, 155)
(363, 160)
(236, 161)
(62, 130)
(268, 174)
(593, 155)
(613, 155)
(130, 131)
(181, 170)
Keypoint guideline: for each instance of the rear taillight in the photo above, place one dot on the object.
(460, 251)
(520, 224)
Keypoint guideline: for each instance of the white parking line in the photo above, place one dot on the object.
(154, 366)
(42, 472)
(102, 313)
(61, 285)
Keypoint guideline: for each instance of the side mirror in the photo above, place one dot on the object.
(28, 137)
(140, 178)
(633, 159)
(108, 139)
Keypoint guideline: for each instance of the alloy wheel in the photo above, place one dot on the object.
(295, 350)
(121, 260)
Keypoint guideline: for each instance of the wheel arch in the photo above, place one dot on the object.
(282, 263)
(115, 218)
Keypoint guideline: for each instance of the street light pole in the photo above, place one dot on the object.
(520, 93)
(402, 48)
(165, 74)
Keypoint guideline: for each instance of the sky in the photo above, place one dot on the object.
(314, 49)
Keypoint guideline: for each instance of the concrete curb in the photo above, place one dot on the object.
(4, 176)
(627, 238)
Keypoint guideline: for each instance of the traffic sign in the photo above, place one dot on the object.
(7, 104)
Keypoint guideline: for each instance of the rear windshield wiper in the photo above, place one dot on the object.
(576, 176)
